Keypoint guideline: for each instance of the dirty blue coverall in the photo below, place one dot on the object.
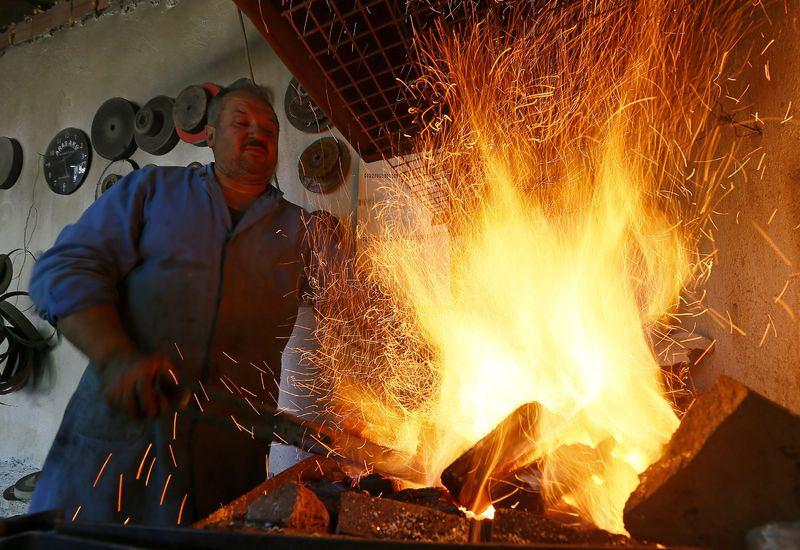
(219, 300)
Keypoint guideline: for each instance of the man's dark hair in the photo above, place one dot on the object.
(240, 86)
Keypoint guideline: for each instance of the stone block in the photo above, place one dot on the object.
(733, 464)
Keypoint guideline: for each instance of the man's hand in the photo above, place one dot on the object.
(142, 386)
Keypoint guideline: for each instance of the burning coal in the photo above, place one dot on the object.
(577, 147)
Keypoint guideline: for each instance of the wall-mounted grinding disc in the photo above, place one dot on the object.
(10, 162)
(243, 81)
(113, 129)
(23, 489)
(190, 112)
(191, 108)
(302, 112)
(6, 272)
(324, 165)
(154, 128)
(108, 181)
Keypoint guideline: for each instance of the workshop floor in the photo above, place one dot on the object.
(11, 470)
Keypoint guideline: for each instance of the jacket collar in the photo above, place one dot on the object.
(264, 205)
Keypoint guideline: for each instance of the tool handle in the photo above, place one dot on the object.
(176, 394)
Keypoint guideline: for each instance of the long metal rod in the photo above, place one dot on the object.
(274, 425)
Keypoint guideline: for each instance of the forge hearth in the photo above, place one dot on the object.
(732, 466)
(298, 501)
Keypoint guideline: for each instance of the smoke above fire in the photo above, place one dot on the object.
(576, 148)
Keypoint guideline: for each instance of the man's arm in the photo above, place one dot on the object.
(75, 286)
(143, 386)
(97, 332)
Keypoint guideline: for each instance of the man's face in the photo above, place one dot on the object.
(245, 140)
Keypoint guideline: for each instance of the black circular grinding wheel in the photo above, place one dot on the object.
(243, 81)
(190, 109)
(302, 112)
(23, 489)
(324, 165)
(154, 128)
(113, 129)
(6, 272)
(10, 162)
(108, 181)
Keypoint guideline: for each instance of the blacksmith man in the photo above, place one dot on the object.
(195, 270)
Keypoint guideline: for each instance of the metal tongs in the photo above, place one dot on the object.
(270, 424)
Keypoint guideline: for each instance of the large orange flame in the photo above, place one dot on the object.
(578, 148)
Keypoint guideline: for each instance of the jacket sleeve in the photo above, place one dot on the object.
(91, 256)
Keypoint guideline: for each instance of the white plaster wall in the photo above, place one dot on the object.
(149, 49)
(748, 274)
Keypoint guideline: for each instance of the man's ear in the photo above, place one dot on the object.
(210, 135)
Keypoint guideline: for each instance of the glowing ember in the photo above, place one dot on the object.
(486, 514)
(578, 150)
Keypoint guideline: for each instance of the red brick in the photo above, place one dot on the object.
(61, 14)
(384, 518)
(294, 506)
(520, 527)
(42, 23)
(22, 32)
(6, 38)
(82, 9)
(310, 469)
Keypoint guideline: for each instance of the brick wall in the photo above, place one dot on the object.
(63, 14)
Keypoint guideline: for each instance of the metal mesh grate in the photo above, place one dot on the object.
(355, 58)
(365, 52)
(429, 188)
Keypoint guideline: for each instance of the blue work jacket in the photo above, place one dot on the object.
(220, 300)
